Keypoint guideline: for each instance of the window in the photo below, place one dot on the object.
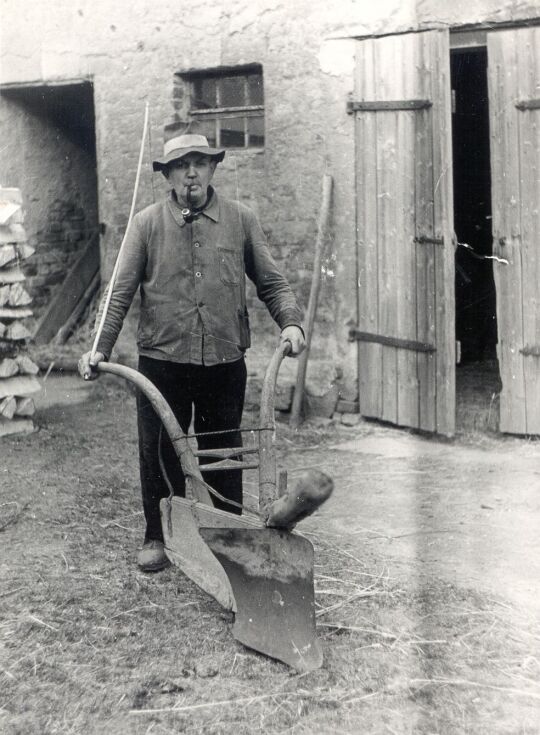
(228, 107)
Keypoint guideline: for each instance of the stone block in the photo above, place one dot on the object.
(322, 406)
(10, 212)
(349, 407)
(52, 238)
(11, 194)
(350, 419)
(253, 393)
(16, 426)
(319, 422)
(283, 397)
(50, 258)
(31, 269)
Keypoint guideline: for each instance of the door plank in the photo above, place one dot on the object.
(425, 263)
(369, 355)
(386, 217)
(502, 88)
(406, 325)
(407, 184)
(425, 252)
(528, 62)
(443, 208)
(388, 177)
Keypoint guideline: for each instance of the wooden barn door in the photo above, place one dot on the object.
(514, 100)
(405, 334)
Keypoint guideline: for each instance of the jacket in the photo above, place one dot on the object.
(191, 278)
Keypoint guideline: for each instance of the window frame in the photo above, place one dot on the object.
(238, 112)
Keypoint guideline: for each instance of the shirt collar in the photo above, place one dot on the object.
(211, 211)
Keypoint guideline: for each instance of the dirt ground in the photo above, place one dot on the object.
(427, 580)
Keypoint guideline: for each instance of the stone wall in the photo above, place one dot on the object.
(307, 57)
(59, 243)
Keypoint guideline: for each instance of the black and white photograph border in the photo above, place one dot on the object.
(270, 367)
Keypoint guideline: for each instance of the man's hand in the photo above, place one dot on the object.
(295, 336)
(87, 365)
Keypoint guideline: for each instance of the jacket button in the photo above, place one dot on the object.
(197, 244)
(198, 274)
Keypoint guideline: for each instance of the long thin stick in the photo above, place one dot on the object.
(222, 703)
(480, 685)
(324, 214)
(118, 257)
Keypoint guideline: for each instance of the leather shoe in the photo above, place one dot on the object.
(152, 557)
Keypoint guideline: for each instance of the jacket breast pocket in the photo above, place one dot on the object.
(229, 266)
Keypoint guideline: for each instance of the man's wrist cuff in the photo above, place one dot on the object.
(292, 324)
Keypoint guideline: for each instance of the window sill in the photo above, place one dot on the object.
(244, 151)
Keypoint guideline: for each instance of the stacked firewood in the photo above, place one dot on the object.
(18, 380)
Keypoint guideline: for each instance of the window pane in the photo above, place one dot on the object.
(255, 89)
(207, 128)
(256, 131)
(232, 132)
(232, 92)
(204, 94)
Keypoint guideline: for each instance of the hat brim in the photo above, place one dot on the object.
(217, 154)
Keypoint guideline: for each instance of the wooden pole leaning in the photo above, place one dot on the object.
(324, 216)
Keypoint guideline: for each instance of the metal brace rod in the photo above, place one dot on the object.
(225, 452)
(404, 344)
(228, 464)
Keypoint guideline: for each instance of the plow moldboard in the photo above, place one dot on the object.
(271, 574)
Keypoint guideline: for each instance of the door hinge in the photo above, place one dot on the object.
(386, 105)
(424, 240)
(531, 351)
(355, 335)
(533, 104)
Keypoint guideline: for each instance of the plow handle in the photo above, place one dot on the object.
(268, 492)
(179, 440)
(313, 487)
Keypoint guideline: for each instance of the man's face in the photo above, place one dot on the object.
(189, 176)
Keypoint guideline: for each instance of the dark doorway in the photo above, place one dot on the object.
(49, 152)
(477, 372)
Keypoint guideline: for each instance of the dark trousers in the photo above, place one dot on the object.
(214, 395)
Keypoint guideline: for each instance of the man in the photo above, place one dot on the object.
(189, 255)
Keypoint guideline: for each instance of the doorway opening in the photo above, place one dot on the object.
(50, 154)
(477, 370)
